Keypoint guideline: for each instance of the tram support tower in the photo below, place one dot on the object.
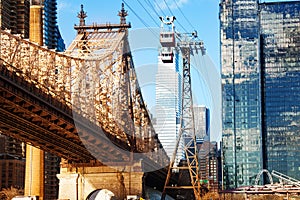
(187, 44)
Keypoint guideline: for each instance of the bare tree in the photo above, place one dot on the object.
(9, 193)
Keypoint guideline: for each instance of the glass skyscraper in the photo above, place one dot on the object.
(50, 24)
(202, 122)
(260, 78)
(168, 104)
(280, 53)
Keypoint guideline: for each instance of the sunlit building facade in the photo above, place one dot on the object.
(241, 92)
(260, 67)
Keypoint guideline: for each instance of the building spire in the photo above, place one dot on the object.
(122, 15)
(82, 15)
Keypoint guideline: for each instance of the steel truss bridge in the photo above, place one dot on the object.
(84, 105)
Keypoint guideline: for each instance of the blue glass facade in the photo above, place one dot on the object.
(241, 91)
(260, 109)
(280, 52)
(50, 21)
(52, 36)
(60, 46)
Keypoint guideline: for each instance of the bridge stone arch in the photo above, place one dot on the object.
(100, 194)
(260, 173)
(84, 182)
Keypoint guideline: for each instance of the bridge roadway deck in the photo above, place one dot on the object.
(28, 114)
(37, 118)
(40, 88)
(31, 116)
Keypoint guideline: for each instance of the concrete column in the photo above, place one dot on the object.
(36, 24)
(68, 186)
(34, 172)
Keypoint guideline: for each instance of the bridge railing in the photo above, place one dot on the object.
(47, 69)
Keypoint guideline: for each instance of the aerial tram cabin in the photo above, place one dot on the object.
(167, 55)
(167, 41)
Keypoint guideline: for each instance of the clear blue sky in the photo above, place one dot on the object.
(199, 15)
(202, 15)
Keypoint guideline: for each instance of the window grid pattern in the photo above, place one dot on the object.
(280, 39)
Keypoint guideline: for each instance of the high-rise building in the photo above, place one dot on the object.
(50, 24)
(14, 16)
(60, 43)
(168, 104)
(201, 117)
(52, 168)
(208, 164)
(280, 55)
(12, 163)
(260, 81)
(39, 16)
(53, 40)
(207, 151)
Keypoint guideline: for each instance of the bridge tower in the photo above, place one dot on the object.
(121, 100)
(187, 45)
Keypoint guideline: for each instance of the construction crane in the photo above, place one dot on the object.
(187, 44)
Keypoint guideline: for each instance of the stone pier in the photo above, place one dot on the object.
(78, 182)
